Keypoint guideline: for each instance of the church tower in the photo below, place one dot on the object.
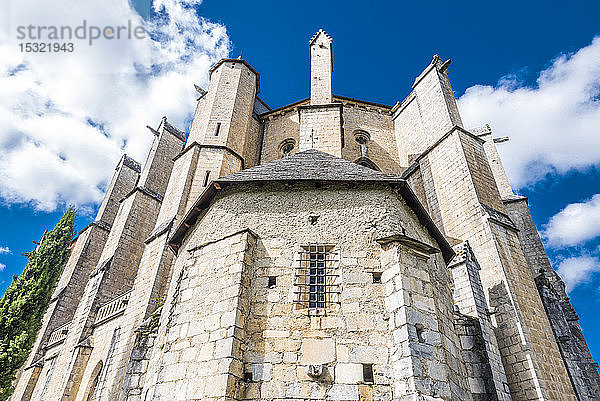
(321, 122)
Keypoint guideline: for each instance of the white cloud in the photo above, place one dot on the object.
(553, 126)
(2, 267)
(4, 250)
(65, 118)
(578, 270)
(574, 225)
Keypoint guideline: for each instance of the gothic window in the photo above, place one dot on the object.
(94, 382)
(362, 138)
(316, 278)
(287, 146)
(52, 362)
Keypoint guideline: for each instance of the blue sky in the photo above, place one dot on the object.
(527, 68)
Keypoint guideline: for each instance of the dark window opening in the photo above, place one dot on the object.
(316, 277)
(287, 146)
(362, 137)
(272, 281)
(376, 277)
(218, 129)
(206, 177)
(420, 330)
(248, 376)
(368, 373)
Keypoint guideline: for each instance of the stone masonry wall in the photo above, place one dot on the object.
(582, 369)
(505, 274)
(426, 114)
(321, 128)
(424, 352)
(377, 122)
(115, 272)
(277, 336)
(494, 160)
(277, 128)
(487, 377)
(480, 172)
(223, 114)
(408, 129)
(474, 353)
(200, 354)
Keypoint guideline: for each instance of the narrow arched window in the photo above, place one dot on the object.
(93, 383)
(362, 138)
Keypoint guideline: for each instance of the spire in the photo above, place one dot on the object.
(321, 68)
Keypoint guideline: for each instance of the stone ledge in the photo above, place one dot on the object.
(409, 242)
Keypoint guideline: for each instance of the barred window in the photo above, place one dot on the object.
(316, 278)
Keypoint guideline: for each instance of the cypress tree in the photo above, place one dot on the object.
(26, 299)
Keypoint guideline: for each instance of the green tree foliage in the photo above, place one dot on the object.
(26, 299)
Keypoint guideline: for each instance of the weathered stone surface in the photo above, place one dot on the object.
(317, 351)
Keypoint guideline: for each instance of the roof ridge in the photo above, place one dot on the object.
(309, 165)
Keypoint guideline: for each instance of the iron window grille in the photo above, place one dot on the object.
(317, 278)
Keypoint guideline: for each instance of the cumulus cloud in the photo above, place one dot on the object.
(65, 118)
(4, 250)
(574, 225)
(578, 270)
(554, 126)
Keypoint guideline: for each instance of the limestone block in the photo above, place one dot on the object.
(317, 351)
(261, 371)
(348, 373)
(276, 333)
(368, 354)
(343, 392)
(477, 385)
(342, 353)
(216, 386)
(436, 370)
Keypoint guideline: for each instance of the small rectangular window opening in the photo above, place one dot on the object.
(248, 377)
(272, 281)
(206, 177)
(368, 373)
(218, 129)
(377, 277)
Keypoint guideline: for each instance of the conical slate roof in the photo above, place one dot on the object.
(309, 165)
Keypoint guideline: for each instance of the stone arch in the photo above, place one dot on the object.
(93, 382)
(361, 136)
(287, 146)
(366, 162)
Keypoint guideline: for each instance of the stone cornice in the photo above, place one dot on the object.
(221, 147)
